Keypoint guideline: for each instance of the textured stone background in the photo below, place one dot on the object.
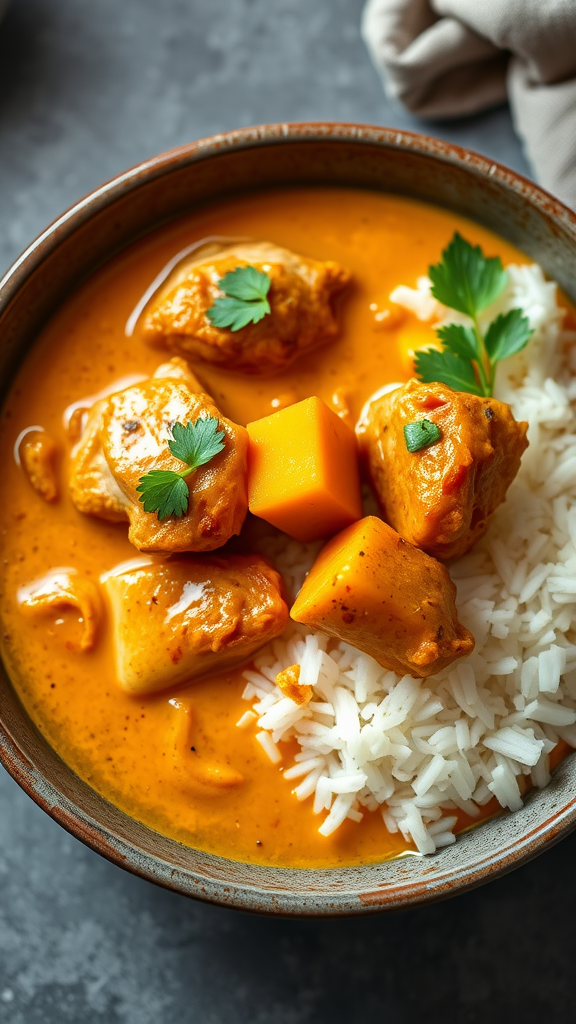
(87, 88)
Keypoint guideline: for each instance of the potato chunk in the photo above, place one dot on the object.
(177, 620)
(303, 471)
(127, 435)
(379, 594)
(301, 318)
(442, 497)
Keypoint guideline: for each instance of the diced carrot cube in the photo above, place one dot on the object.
(385, 597)
(303, 471)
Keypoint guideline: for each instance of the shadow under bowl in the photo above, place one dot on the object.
(109, 219)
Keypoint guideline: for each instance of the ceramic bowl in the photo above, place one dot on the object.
(112, 217)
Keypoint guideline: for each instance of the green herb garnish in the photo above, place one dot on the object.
(421, 434)
(246, 303)
(468, 281)
(164, 490)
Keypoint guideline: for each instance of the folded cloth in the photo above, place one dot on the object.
(448, 58)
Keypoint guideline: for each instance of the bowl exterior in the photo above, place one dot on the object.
(73, 247)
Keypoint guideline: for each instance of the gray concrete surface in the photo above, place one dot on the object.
(87, 89)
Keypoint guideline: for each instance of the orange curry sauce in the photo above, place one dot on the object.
(124, 747)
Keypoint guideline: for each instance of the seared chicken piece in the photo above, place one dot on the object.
(178, 620)
(37, 453)
(127, 435)
(442, 497)
(300, 296)
(65, 588)
(376, 592)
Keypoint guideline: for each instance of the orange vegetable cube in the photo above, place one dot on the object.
(385, 597)
(303, 471)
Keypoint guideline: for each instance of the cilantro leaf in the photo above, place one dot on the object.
(457, 373)
(165, 491)
(237, 313)
(460, 341)
(421, 434)
(246, 283)
(196, 443)
(245, 302)
(507, 334)
(466, 279)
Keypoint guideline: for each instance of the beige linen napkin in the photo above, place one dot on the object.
(448, 58)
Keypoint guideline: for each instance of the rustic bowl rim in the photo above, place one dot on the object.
(96, 834)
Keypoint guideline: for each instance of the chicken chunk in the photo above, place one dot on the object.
(301, 299)
(379, 594)
(126, 436)
(442, 497)
(177, 620)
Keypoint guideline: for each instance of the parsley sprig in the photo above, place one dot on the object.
(468, 281)
(165, 491)
(245, 301)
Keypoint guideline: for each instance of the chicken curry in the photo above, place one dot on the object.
(145, 443)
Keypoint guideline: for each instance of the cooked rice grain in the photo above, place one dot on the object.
(417, 750)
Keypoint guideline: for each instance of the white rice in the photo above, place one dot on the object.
(417, 750)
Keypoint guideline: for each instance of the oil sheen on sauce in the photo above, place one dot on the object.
(127, 748)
